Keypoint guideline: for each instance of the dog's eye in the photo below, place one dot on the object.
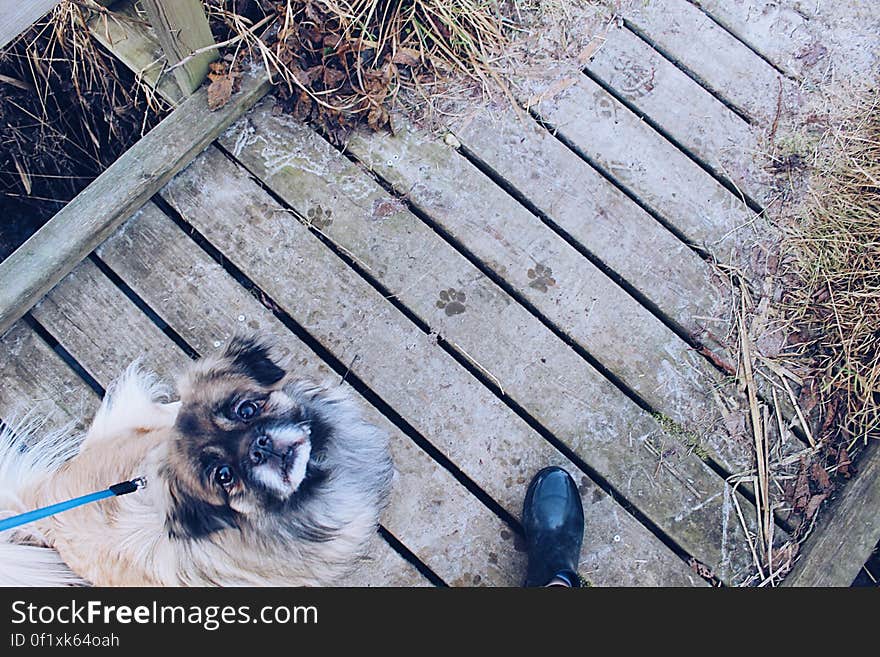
(246, 410)
(224, 476)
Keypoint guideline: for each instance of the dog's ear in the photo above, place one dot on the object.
(253, 358)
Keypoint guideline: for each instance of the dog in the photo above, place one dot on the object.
(253, 478)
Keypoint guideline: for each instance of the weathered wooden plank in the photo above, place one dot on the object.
(129, 37)
(722, 62)
(97, 211)
(406, 367)
(701, 210)
(603, 219)
(608, 323)
(34, 380)
(779, 33)
(430, 512)
(78, 313)
(103, 330)
(384, 568)
(812, 40)
(682, 108)
(182, 28)
(533, 367)
(846, 532)
(17, 16)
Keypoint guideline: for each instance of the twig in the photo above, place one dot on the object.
(745, 527)
(762, 489)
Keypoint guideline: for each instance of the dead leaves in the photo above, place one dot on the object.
(811, 487)
(337, 69)
(224, 82)
(704, 571)
(844, 463)
(820, 476)
(339, 79)
(407, 57)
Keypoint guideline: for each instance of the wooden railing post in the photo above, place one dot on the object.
(182, 28)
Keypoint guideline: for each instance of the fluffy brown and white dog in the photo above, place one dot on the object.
(253, 478)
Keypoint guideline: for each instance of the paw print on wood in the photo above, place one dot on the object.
(319, 217)
(451, 301)
(541, 277)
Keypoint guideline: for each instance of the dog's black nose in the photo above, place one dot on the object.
(260, 450)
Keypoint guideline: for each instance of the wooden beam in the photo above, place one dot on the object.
(131, 39)
(182, 29)
(38, 264)
(846, 533)
(17, 16)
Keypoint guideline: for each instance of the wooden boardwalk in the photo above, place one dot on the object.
(521, 292)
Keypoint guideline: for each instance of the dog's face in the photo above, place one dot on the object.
(243, 448)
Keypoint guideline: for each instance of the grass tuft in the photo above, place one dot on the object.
(836, 299)
(343, 62)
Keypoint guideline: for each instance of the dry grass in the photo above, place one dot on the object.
(67, 110)
(836, 300)
(830, 313)
(343, 62)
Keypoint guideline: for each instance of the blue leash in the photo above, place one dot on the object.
(122, 488)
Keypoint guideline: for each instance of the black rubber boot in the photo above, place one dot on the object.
(553, 518)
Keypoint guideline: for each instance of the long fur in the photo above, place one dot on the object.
(28, 456)
(131, 403)
(128, 541)
(31, 455)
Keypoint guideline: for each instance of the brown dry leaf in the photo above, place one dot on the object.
(311, 74)
(801, 491)
(332, 77)
(377, 118)
(719, 362)
(219, 92)
(223, 84)
(809, 397)
(800, 336)
(813, 505)
(820, 476)
(703, 570)
(406, 57)
(844, 462)
(830, 415)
